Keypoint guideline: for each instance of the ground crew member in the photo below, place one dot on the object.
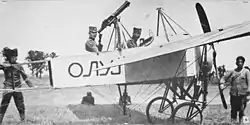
(240, 80)
(89, 99)
(12, 80)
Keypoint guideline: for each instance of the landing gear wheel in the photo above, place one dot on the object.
(187, 113)
(158, 109)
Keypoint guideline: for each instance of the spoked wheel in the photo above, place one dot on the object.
(187, 113)
(158, 110)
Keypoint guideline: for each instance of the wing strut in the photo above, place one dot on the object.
(123, 98)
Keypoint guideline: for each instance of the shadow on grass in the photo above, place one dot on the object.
(112, 114)
(107, 114)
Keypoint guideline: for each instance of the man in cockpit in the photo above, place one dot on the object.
(91, 45)
(135, 36)
(133, 42)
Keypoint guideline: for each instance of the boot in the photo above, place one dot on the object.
(233, 121)
(1, 118)
(240, 120)
(22, 117)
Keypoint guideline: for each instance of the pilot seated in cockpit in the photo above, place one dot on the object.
(133, 42)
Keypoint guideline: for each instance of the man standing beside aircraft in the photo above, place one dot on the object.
(12, 74)
(239, 93)
(91, 45)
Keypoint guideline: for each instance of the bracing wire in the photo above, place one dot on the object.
(185, 50)
(157, 88)
(164, 27)
(167, 39)
(175, 23)
(100, 94)
(138, 92)
(125, 29)
(153, 92)
(163, 16)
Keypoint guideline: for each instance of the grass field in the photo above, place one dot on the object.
(62, 106)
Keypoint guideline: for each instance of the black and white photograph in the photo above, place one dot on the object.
(124, 62)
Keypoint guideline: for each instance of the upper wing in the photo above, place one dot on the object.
(232, 32)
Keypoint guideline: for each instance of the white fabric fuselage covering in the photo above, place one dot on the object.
(76, 71)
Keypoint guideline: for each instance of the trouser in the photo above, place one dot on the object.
(238, 104)
(19, 101)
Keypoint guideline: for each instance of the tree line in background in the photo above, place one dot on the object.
(37, 69)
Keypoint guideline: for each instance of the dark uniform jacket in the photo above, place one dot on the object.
(91, 46)
(15, 73)
(131, 43)
(88, 100)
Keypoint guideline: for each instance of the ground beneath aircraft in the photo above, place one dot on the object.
(100, 114)
(62, 107)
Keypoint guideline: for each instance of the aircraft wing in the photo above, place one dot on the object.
(231, 32)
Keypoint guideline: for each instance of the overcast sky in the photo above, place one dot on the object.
(62, 25)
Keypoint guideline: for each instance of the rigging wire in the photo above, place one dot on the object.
(153, 92)
(125, 30)
(102, 95)
(162, 16)
(164, 27)
(176, 23)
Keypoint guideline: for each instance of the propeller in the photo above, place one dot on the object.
(206, 28)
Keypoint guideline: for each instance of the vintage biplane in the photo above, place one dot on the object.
(157, 61)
